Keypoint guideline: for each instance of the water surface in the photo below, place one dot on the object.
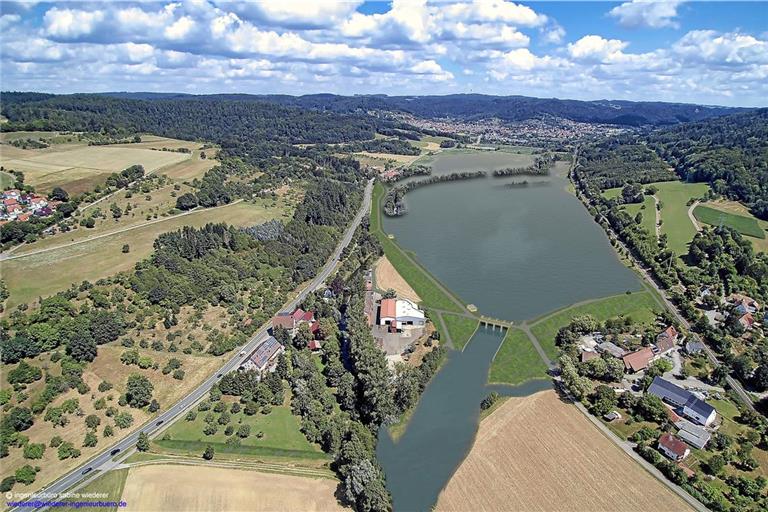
(516, 253)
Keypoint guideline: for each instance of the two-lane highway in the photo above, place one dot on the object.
(103, 461)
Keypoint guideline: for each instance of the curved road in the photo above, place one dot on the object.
(103, 462)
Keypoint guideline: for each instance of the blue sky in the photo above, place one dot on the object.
(698, 52)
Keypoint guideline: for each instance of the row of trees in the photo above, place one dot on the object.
(394, 201)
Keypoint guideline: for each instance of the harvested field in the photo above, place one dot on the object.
(540, 454)
(79, 167)
(201, 488)
(387, 277)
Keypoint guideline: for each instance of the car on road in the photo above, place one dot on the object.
(114, 452)
(159, 423)
(86, 471)
(218, 376)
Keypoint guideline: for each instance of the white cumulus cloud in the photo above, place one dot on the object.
(647, 13)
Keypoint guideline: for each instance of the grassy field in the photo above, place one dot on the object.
(91, 260)
(79, 167)
(744, 225)
(540, 454)
(417, 276)
(674, 197)
(640, 306)
(647, 208)
(461, 329)
(516, 361)
(6, 180)
(110, 485)
(386, 277)
(204, 488)
(735, 207)
(281, 437)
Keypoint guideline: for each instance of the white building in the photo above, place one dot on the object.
(400, 313)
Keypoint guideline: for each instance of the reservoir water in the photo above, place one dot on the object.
(516, 253)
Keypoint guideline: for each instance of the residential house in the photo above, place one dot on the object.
(264, 358)
(400, 314)
(315, 345)
(694, 347)
(612, 349)
(743, 303)
(692, 407)
(663, 345)
(692, 434)
(638, 360)
(673, 447)
(747, 321)
(587, 355)
(292, 321)
(670, 333)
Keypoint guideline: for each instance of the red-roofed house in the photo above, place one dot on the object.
(673, 447)
(669, 333)
(587, 355)
(24, 217)
(315, 345)
(292, 321)
(747, 321)
(638, 360)
(10, 201)
(664, 344)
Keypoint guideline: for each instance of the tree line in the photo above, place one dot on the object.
(394, 200)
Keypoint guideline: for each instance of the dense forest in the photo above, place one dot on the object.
(479, 106)
(223, 121)
(730, 153)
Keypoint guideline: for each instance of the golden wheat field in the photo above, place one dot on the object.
(538, 454)
(204, 489)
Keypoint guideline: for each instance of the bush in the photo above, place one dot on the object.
(34, 450)
(26, 474)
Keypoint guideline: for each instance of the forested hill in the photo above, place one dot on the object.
(730, 152)
(215, 119)
(479, 106)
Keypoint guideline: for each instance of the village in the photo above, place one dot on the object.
(22, 206)
(657, 387)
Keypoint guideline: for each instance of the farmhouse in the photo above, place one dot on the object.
(612, 349)
(399, 314)
(692, 434)
(264, 358)
(587, 355)
(292, 321)
(692, 407)
(673, 447)
(638, 360)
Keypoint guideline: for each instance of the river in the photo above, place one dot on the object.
(514, 252)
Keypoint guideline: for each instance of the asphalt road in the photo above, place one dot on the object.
(103, 461)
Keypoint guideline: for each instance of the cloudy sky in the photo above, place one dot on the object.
(702, 52)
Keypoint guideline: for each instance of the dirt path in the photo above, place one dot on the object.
(657, 211)
(7, 256)
(693, 217)
(544, 357)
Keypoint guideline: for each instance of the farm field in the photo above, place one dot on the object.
(674, 197)
(516, 361)
(78, 167)
(744, 225)
(387, 278)
(461, 329)
(521, 463)
(205, 488)
(102, 257)
(431, 295)
(640, 306)
(281, 437)
(737, 208)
